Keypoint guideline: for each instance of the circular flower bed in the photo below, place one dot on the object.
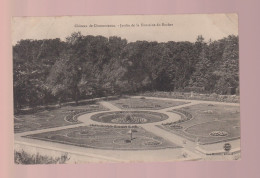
(129, 117)
(218, 133)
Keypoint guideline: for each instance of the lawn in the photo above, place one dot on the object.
(207, 123)
(113, 138)
(53, 117)
(142, 103)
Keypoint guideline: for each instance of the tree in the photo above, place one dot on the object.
(95, 66)
(65, 76)
(32, 62)
(132, 59)
(228, 72)
(201, 76)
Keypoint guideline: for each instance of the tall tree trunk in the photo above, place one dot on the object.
(152, 82)
(59, 101)
(76, 95)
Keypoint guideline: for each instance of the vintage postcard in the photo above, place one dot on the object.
(135, 88)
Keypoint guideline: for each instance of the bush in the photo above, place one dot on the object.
(25, 158)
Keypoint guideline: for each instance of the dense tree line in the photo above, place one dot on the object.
(48, 71)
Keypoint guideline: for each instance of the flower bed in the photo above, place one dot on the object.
(106, 138)
(185, 116)
(175, 126)
(218, 134)
(129, 117)
(71, 117)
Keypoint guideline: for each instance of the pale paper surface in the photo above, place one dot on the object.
(183, 27)
(249, 72)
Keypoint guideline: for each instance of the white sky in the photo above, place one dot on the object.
(185, 27)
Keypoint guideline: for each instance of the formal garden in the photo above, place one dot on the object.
(206, 123)
(53, 117)
(201, 123)
(141, 95)
(107, 137)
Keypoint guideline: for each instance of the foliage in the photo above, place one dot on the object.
(47, 71)
(65, 76)
(22, 157)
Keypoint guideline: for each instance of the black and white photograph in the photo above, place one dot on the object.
(129, 88)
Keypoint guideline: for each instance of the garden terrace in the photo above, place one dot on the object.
(52, 118)
(209, 123)
(106, 138)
